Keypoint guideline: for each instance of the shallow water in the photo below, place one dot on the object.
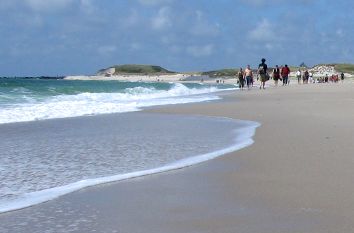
(63, 155)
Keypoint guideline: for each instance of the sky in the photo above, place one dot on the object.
(73, 37)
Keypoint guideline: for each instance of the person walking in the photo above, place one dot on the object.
(248, 75)
(285, 71)
(276, 75)
(241, 79)
(306, 76)
(262, 71)
(298, 76)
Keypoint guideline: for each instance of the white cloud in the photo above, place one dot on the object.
(87, 6)
(154, 2)
(200, 51)
(175, 48)
(169, 39)
(135, 46)
(34, 21)
(202, 27)
(261, 3)
(131, 20)
(6, 4)
(340, 32)
(263, 32)
(162, 20)
(35, 5)
(269, 46)
(255, 2)
(48, 5)
(106, 49)
(166, 39)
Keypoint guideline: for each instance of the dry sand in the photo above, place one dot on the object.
(296, 177)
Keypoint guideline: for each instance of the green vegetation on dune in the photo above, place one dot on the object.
(221, 73)
(345, 68)
(140, 69)
(295, 68)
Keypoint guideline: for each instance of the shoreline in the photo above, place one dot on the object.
(296, 177)
(242, 138)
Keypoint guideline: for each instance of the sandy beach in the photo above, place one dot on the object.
(296, 177)
(176, 78)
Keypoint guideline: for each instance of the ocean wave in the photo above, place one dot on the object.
(131, 99)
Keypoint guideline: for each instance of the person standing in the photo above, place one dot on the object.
(285, 71)
(248, 75)
(342, 76)
(310, 77)
(276, 75)
(298, 76)
(241, 79)
(262, 71)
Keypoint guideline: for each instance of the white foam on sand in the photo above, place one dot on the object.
(243, 138)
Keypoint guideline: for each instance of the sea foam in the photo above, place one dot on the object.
(132, 99)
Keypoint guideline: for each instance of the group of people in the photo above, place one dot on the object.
(307, 77)
(281, 74)
(246, 76)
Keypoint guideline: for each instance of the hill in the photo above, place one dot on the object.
(134, 69)
(227, 72)
(345, 68)
(221, 73)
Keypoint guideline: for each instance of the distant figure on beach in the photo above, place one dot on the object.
(298, 76)
(342, 76)
(334, 78)
(285, 71)
(262, 71)
(305, 77)
(326, 78)
(248, 75)
(310, 77)
(276, 75)
(241, 79)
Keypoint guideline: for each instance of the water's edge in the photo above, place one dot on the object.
(243, 138)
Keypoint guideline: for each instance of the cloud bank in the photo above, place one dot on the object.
(81, 36)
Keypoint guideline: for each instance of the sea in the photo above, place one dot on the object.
(58, 136)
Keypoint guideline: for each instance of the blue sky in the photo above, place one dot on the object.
(62, 37)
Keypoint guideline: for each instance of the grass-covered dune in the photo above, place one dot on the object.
(221, 73)
(228, 72)
(345, 68)
(140, 69)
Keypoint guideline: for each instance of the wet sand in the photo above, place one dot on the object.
(296, 177)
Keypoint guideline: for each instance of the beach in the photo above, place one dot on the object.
(296, 176)
(175, 78)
